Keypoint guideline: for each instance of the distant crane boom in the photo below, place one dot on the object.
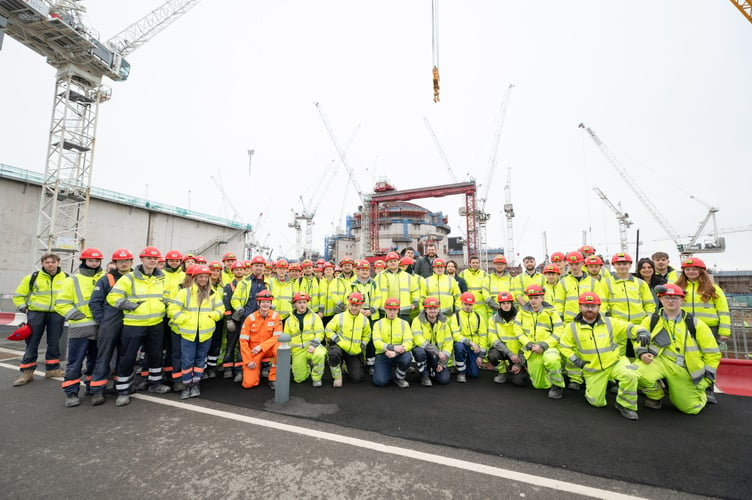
(622, 217)
(745, 7)
(442, 155)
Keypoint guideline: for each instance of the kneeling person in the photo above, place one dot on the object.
(433, 341)
(503, 345)
(348, 334)
(393, 341)
(306, 332)
(258, 341)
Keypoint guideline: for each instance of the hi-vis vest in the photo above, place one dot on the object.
(74, 296)
(137, 287)
(39, 296)
(190, 318)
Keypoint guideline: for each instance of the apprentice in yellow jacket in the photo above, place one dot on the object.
(444, 288)
(504, 345)
(474, 278)
(348, 334)
(495, 283)
(470, 332)
(433, 343)
(393, 341)
(308, 355)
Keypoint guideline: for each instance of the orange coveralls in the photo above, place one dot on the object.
(259, 331)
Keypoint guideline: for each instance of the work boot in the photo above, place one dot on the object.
(26, 377)
(710, 393)
(122, 400)
(425, 381)
(159, 389)
(461, 378)
(97, 399)
(227, 374)
(555, 392)
(272, 385)
(501, 378)
(195, 391)
(653, 404)
(54, 373)
(317, 383)
(72, 400)
(211, 373)
(238, 377)
(402, 383)
(337, 382)
(627, 413)
(178, 387)
(142, 386)
(370, 370)
(613, 388)
(574, 386)
(186, 392)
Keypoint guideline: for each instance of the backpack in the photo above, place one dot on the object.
(689, 322)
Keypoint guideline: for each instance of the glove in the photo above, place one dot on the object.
(237, 315)
(76, 315)
(340, 307)
(23, 309)
(131, 306)
(643, 338)
(231, 327)
(579, 363)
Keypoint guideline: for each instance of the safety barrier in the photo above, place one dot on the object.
(738, 346)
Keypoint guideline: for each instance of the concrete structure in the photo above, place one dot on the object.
(114, 220)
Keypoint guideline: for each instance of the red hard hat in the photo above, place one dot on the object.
(356, 298)
(229, 256)
(300, 296)
(363, 264)
(593, 260)
(238, 264)
(505, 297)
(173, 255)
(320, 262)
(346, 260)
(391, 303)
(379, 263)
(406, 261)
(621, 257)
(121, 254)
(534, 290)
(391, 256)
(500, 259)
(328, 264)
(247, 263)
(188, 256)
(200, 259)
(306, 263)
(150, 252)
(258, 259)
(669, 289)
(431, 302)
(467, 298)
(439, 263)
(215, 265)
(21, 333)
(91, 253)
(264, 295)
(587, 250)
(693, 262)
(294, 266)
(200, 269)
(551, 268)
(575, 257)
(189, 270)
(281, 263)
(590, 298)
(558, 257)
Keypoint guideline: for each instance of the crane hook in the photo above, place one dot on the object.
(436, 84)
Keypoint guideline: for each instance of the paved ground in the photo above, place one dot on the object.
(201, 448)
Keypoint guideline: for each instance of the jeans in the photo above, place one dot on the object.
(193, 358)
(40, 321)
(466, 359)
(382, 373)
(78, 349)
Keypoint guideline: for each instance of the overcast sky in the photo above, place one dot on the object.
(664, 84)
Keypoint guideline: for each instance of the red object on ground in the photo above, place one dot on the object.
(734, 376)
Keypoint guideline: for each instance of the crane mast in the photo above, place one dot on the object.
(621, 217)
(509, 214)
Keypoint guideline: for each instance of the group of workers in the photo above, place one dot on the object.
(562, 325)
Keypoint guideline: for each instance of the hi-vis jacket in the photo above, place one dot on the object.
(474, 281)
(493, 285)
(331, 295)
(310, 286)
(72, 303)
(445, 289)
(350, 333)
(542, 327)
(244, 297)
(370, 292)
(502, 336)
(434, 338)
(671, 340)
(568, 291)
(713, 313)
(628, 299)
(312, 333)
(524, 280)
(283, 293)
(173, 281)
(402, 283)
(190, 318)
(390, 332)
(597, 344)
(470, 327)
(138, 287)
(43, 293)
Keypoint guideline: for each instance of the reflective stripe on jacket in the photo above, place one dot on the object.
(138, 287)
(190, 318)
(352, 333)
(74, 296)
(713, 313)
(43, 293)
(628, 299)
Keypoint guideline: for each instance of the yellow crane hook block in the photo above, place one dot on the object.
(436, 84)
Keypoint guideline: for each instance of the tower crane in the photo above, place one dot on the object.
(365, 198)
(443, 155)
(509, 214)
(482, 216)
(719, 245)
(295, 224)
(745, 7)
(621, 216)
(55, 30)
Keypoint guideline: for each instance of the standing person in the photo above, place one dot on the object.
(228, 259)
(444, 288)
(424, 264)
(528, 276)
(707, 302)
(682, 350)
(332, 292)
(35, 296)
(503, 344)
(308, 355)
(474, 277)
(174, 276)
(281, 286)
(232, 363)
(110, 323)
(538, 330)
(594, 265)
(592, 342)
(646, 272)
(409, 252)
(215, 281)
(258, 341)
(308, 284)
(393, 341)
(348, 334)
(496, 282)
(433, 343)
(451, 271)
(195, 312)
(366, 286)
(663, 269)
(470, 335)
(551, 272)
(244, 298)
(399, 284)
(142, 297)
(559, 259)
(72, 303)
(347, 265)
